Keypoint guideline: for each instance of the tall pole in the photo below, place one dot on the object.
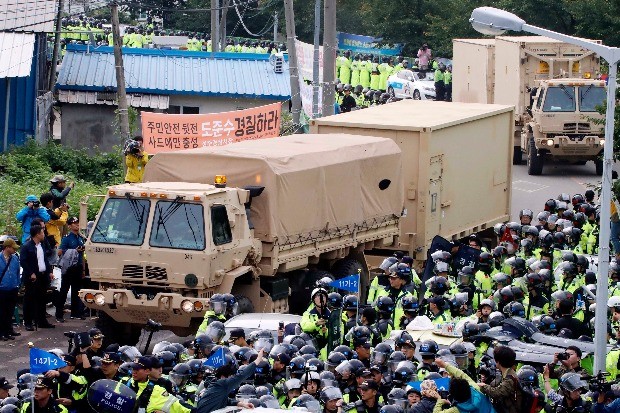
(121, 93)
(275, 27)
(602, 288)
(215, 32)
(315, 66)
(329, 57)
(222, 27)
(289, 16)
(52, 78)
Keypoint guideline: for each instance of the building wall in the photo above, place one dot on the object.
(92, 126)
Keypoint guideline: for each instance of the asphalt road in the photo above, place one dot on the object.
(528, 192)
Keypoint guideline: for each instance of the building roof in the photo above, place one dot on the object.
(34, 16)
(174, 72)
(16, 51)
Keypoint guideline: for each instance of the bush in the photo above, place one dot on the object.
(27, 170)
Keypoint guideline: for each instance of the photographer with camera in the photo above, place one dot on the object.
(60, 190)
(135, 160)
(569, 360)
(30, 211)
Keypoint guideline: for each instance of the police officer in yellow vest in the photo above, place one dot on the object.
(397, 291)
(314, 320)
(440, 87)
(44, 402)
(71, 389)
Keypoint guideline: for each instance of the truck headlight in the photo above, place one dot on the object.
(187, 306)
(549, 142)
(99, 299)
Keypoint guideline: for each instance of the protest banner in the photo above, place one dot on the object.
(367, 44)
(163, 133)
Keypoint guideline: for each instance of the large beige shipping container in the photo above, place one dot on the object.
(474, 77)
(457, 161)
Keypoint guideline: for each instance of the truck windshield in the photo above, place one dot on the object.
(590, 97)
(122, 221)
(178, 225)
(559, 99)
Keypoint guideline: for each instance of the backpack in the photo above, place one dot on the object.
(532, 398)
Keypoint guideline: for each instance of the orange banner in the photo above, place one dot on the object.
(164, 133)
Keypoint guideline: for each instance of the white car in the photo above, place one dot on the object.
(412, 85)
(260, 321)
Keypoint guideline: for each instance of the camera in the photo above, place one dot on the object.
(563, 356)
(80, 340)
(599, 382)
(132, 147)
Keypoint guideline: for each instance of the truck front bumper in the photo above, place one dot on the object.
(584, 146)
(124, 306)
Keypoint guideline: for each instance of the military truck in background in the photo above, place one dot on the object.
(281, 214)
(456, 170)
(552, 86)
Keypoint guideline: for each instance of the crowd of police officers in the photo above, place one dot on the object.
(540, 271)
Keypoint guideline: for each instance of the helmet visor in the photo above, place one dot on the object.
(215, 333)
(218, 307)
(263, 343)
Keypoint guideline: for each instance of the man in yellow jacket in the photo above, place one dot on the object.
(135, 159)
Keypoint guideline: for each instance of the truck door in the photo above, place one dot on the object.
(222, 240)
(433, 214)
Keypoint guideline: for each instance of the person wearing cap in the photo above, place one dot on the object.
(237, 338)
(362, 349)
(71, 253)
(369, 401)
(10, 281)
(436, 311)
(55, 226)
(60, 190)
(36, 277)
(150, 396)
(5, 386)
(71, 389)
(397, 291)
(42, 397)
(110, 362)
(96, 344)
(156, 375)
(278, 368)
(30, 211)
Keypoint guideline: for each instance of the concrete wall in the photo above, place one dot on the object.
(92, 126)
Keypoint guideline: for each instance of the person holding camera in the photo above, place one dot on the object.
(569, 362)
(30, 211)
(56, 224)
(73, 269)
(135, 160)
(425, 55)
(36, 277)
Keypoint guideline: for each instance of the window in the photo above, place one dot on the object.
(174, 110)
(191, 110)
(178, 225)
(122, 221)
(220, 226)
(559, 99)
(590, 97)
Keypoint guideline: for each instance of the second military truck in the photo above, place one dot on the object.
(261, 219)
(552, 86)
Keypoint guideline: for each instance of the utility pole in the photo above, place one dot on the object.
(223, 25)
(215, 32)
(316, 66)
(275, 27)
(329, 57)
(52, 78)
(289, 16)
(121, 94)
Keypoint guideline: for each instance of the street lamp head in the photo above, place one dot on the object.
(493, 22)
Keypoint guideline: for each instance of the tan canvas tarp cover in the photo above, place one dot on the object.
(312, 182)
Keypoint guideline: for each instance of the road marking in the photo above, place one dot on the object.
(527, 186)
(583, 184)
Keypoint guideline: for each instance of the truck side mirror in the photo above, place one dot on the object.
(255, 191)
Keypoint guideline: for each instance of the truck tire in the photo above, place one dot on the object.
(599, 166)
(345, 267)
(517, 156)
(245, 304)
(534, 161)
(115, 332)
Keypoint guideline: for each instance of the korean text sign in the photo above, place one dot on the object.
(164, 133)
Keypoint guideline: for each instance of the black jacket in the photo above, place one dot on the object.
(29, 263)
(216, 395)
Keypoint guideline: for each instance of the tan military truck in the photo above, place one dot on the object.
(281, 213)
(551, 86)
(456, 165)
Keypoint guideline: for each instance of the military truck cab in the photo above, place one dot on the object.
(563, 123)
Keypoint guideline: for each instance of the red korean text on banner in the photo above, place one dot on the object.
(164, 133)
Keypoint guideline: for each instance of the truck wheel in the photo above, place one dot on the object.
(534, 161)
(345, 267)
(115, 332)
(517, 156)
(245, 304)
(599, 166)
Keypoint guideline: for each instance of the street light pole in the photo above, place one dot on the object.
(492, 21)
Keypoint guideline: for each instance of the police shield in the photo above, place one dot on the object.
(333, 330)
(109, 396)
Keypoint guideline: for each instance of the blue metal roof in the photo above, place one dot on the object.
(175, 72)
